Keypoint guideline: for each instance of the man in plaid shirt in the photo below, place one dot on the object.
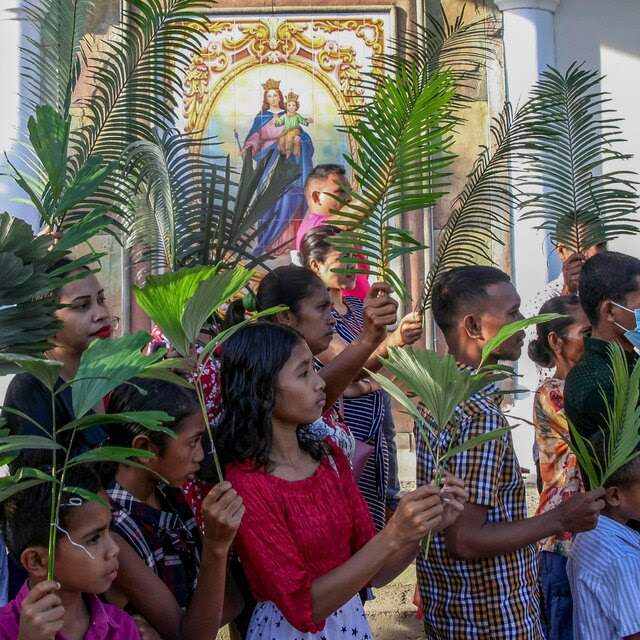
(481, 576)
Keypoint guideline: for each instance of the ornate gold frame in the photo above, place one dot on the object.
(274, 39)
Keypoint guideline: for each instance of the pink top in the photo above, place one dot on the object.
(312, 220)
(295, 532)
(264, 137)
(107, 622)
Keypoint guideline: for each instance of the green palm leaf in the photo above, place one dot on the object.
(195, 211)
(137, 80)
(403, 135)
(441, 43)
(581, 193)
(52, 62)
(483, 208)
(26, 310)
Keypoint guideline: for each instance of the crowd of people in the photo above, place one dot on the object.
(309, 517)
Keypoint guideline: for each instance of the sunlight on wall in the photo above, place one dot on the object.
(622, 73)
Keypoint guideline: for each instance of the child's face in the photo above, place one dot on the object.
(292, 107)
(300, 393)
(181, 457)
(88, 562)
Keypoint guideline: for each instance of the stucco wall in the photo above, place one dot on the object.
(605, 36)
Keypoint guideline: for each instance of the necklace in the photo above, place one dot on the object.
(358, 328)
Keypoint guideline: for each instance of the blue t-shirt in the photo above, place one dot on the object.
(604, 573)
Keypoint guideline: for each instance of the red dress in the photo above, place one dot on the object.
(296, 531)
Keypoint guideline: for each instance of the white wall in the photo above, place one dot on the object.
(606, 35)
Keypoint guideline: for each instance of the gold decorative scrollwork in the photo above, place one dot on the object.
(302, 42)
(196, 83)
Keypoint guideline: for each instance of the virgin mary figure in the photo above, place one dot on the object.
(280, 224)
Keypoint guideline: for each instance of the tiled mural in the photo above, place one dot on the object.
(282, 82)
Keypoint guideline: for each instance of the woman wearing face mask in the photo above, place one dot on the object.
(307, 541)
(559, 344)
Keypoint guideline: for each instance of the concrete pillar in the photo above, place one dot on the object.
(529, 46)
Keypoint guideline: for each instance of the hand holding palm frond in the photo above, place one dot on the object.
(191, 210)
(582, 202)
(404, 135)
(621, 441)
(483, 208)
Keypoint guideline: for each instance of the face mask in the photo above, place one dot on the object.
(633, 335)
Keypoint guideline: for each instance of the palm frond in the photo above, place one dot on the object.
(52, 62)
(137, 80)
(483, 209)
(582, 202)
(194, 208)
(26, 310)
(404, 136)
(621, 438)
(454, 45)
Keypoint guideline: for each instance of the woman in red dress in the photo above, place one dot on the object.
(307, 541)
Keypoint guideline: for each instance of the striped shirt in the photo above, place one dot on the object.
(604, 573)
(364, 415)
(489, 598)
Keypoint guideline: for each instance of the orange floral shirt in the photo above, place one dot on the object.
(558, 466)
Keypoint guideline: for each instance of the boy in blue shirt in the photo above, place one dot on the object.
(604, 565)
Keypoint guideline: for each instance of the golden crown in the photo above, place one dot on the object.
(292, 96)
(271, 84)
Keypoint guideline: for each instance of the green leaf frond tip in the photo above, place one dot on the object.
(510, 330)
(570, 188)
(404, 136)
(180, 302)
(620, 441)
(482, 211)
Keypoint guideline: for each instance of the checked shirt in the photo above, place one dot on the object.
(496, 598)
(168, 540)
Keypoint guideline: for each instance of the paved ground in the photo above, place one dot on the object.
(392, 614)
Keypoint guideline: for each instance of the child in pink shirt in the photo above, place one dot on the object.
(86, 563)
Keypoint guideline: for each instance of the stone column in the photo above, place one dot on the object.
(529, 46)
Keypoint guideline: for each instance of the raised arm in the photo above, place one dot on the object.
(379, 310)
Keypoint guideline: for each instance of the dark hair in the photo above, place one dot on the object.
(287, 286)
(315, 246)
(540, 350)
(323, 171)
(142, 394)
(623, 477)
(457, 288)
(24, 517)
(59, 264)
(606, 276)
(251, 360)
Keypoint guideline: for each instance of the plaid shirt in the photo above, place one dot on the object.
(168, 541)
(496, 598)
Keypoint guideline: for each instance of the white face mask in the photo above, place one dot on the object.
(632, 335)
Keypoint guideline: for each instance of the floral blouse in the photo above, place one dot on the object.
(558, 466)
